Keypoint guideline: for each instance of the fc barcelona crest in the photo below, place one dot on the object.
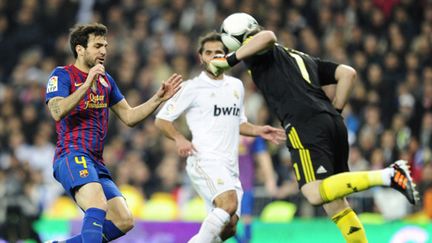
(83, 173)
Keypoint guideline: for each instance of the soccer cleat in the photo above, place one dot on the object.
(401, 181)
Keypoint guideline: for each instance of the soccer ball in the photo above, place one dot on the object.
(235, 27)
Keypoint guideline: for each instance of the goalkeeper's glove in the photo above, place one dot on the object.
(219, 64)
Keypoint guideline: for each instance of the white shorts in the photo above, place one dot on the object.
(210, 178)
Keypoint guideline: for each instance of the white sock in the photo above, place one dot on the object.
(193, 239)
(387, 173)
(212, 226)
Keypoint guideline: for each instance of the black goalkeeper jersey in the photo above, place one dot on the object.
(291, 81)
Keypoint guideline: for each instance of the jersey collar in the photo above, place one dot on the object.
(203, 76)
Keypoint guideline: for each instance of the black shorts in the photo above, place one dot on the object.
(318, 147)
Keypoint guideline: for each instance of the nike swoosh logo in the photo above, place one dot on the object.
(77, 85)
(96, 224)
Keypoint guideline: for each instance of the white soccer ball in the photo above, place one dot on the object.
(235, 27)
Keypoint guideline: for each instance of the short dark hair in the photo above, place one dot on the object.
(212, 36)
(79, 34)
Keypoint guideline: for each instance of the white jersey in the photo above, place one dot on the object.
(214, 112)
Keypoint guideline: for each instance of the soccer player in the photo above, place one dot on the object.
(307, 95)
(78, 98)
(213, 105)
(253, 150)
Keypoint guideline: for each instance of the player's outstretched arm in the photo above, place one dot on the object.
(184, 146)
(345, 77)
(133, 115)
(255, 44)
(258, 43)
(169, 88)
(272, 134)
(60, 106)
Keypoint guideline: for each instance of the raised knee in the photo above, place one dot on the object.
(312, 194)
(311, 191)
(227, 201)
(125, 223)
(313, 199)
(128, 223)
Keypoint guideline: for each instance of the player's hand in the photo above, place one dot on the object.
(94, 72)
(169, 87)
(218, 65)
(184, 147)
(274, 135)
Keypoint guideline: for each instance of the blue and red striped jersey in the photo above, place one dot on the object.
(85, 127)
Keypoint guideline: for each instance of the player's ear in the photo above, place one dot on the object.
(200, 58)
(79, 49)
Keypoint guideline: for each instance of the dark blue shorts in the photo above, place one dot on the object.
(76, 169)
(247, 203)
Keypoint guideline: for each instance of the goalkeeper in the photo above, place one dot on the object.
(307, 95)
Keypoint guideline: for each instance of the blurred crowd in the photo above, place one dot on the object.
(389, 115)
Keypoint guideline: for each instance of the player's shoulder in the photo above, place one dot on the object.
(193, 83)
(62, 70)
(109, 77)
(233, 80)
(294, 51)
(60, 73)
(188, 83)
(187, 87)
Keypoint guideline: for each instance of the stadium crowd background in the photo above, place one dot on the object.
(389, 115)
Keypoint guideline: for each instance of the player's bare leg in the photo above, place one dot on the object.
(119, 219)
(225, 207)
(230, 229)
(91, 198)
(228, 202)
(91, 195)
